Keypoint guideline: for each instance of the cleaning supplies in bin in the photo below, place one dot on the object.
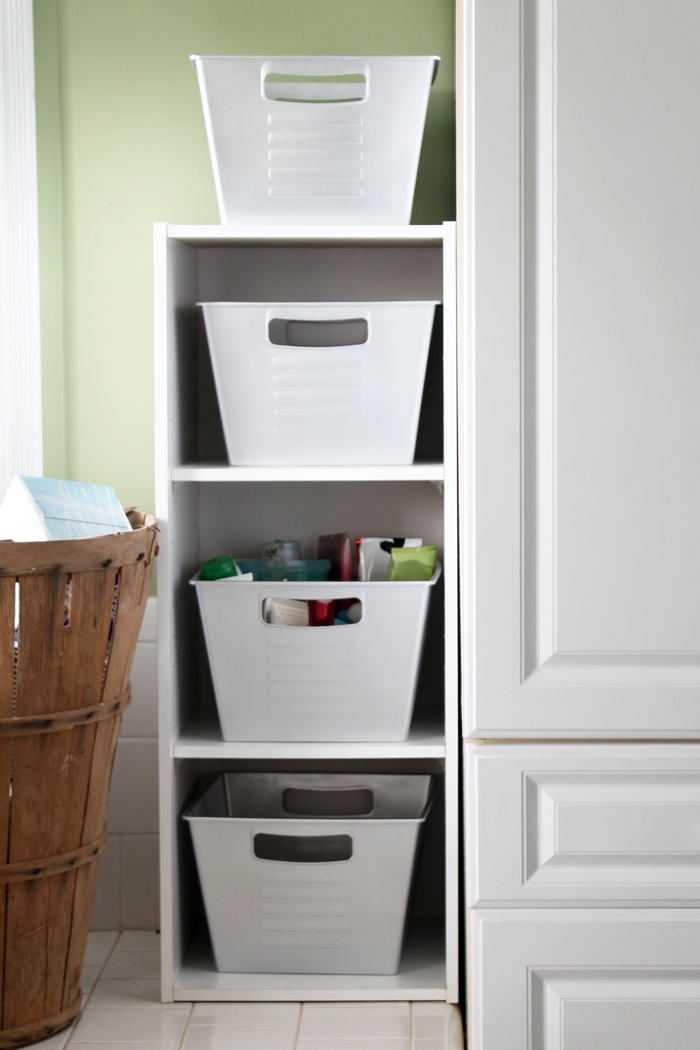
(286, 612)
(279, 552)
(411, 563)
(223, 568)
(395, 559)
(322, 614)
(378, 559)
(374, 553)
(295, 612)
(337, 549)
(287, 665)
(281, 561)
(274, 565)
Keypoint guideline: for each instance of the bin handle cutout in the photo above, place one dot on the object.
(311, 612)
(312, 88)
(353, 331)
(303, 849)
(328, 802)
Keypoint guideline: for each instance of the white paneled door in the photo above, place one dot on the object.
(585, 980)
(581, 408)
(583, 824)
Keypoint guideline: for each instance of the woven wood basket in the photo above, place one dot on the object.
(70, 614)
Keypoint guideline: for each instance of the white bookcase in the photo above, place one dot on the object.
(206, 507)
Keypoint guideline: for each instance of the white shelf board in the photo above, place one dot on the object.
(202, 739)
(421, 976)
(387, 236)
(223, 472)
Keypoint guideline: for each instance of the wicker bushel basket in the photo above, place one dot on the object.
(70, 614)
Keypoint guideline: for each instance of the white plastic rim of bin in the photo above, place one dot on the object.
(325, 893)
(351, 683)
(315, 139)
(291, 403)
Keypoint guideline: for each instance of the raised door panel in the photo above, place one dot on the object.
(583, 823)
(584, 980)
(581, 447)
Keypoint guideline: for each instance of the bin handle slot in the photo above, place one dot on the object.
(352, 331)
(307, 87)
(328, 802)
(303, 849)
(311, 612)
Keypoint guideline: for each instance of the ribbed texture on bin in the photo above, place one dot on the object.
(355, 682)
(310, 148)
(291, 391)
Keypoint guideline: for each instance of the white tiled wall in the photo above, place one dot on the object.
(127, 885)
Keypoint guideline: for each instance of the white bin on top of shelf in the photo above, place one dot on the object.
(315, 140)
(354, 682)
(319, 383)
(308, 873)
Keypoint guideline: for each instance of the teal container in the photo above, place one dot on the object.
(305, 570)
(254, 565)
(302, 570)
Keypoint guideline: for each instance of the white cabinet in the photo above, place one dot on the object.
(206, 507)
(583, 823)
(609, 979)
(581, 375)
(580, 504)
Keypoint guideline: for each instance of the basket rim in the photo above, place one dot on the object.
(89, 554)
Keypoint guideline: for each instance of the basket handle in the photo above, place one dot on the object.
(344, 331)
(303, 849)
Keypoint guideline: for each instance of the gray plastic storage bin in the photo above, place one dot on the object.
(306, 872)
(351, 683)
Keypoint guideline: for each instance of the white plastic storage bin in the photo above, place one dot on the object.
(315, 139)
(308, 873)
(319, 383)
(354, 682)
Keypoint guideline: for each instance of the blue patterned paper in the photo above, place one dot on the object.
(72, 509)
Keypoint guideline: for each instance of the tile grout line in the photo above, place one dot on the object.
(186, 1028)
(339, 1040)
(296, 1034)
(84, 1006)
(102, 969)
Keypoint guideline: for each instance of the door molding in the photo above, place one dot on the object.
(578, 451)
(544, 661)
(20, 347)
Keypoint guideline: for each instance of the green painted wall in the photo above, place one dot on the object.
(121, 144)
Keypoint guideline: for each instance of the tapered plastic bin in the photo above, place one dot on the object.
(315, 139)
(354, 682)
(319, 383)
(308, 873)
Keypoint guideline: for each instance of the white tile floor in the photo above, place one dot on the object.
(121, 1007)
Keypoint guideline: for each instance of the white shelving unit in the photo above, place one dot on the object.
(206, 507)
(223, 472)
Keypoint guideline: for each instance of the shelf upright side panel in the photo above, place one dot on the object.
(451, 577)
(175, 296)
(162, 465)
